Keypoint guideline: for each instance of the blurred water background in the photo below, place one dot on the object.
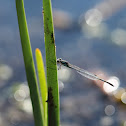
(89, 34)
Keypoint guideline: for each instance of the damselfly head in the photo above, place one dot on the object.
(59, 60)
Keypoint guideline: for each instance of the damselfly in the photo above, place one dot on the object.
(81, 71)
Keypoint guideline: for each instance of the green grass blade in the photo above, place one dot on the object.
(52, 82)
(29, 64)
(42, 82)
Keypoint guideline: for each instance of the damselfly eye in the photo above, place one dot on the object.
(59, 60)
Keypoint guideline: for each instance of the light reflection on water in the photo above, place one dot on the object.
(19, 95)
(27, 106)
(123, 98)
(109, 110)
(115, 81)
(93, 17)
(118, 93)
(106, 121)
(6, 72)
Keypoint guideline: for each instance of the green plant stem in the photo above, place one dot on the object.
(42, 82)
(29, 64)
(52, 82)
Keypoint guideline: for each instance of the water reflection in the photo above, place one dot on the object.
(27, 106)
(115, 81)
(118, 93)
(109, 110)
(123, 98)
(124, 123)
(6, 72)
(99, 31)
(93, 17)
(106, 121)
(20, 95)
(118, 36)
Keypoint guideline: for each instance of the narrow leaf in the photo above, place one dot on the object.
(52, 82)
(42, 82)
(29, 64)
